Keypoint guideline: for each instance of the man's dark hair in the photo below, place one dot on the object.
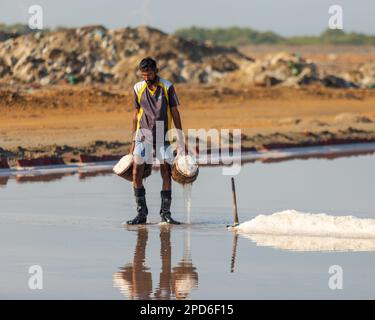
(147, 63)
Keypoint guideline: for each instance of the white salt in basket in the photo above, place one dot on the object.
(124, 168)
(185, 169)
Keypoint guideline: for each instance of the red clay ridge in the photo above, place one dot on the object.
(333, 141)
(85, 158)
(42, 161)
(4, 163)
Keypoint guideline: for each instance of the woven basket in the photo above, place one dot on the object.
(182, 176)
(124, 168)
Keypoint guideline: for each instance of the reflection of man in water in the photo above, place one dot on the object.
(135, 281)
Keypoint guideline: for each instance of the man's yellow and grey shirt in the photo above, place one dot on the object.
(154, 106)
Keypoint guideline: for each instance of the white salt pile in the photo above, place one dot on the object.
(293, 230)
(292, 222)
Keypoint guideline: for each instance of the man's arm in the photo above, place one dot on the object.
(177, 123)
(134, 128)
(136, 106)
(176, 118)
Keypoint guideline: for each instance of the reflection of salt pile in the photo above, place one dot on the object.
(184, 281)
(133, 282)
(312, 243)
(185, 169)
(293, 230)
(124, 285)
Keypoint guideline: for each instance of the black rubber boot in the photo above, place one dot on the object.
(140, 198)
(165, 213)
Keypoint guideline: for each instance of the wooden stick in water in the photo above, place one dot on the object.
(236, 222)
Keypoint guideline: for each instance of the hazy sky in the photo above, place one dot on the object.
(287, 17)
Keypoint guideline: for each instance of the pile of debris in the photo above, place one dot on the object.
(291, 70)
(5, 35)
(96, 54)
(283, 68)
(364, 76)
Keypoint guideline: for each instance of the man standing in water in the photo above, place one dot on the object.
(155, 102)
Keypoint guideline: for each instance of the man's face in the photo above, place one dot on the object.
(149, 75)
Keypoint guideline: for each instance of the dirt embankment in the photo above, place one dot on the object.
(69, 120)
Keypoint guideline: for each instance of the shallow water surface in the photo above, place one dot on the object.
(71, 226)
